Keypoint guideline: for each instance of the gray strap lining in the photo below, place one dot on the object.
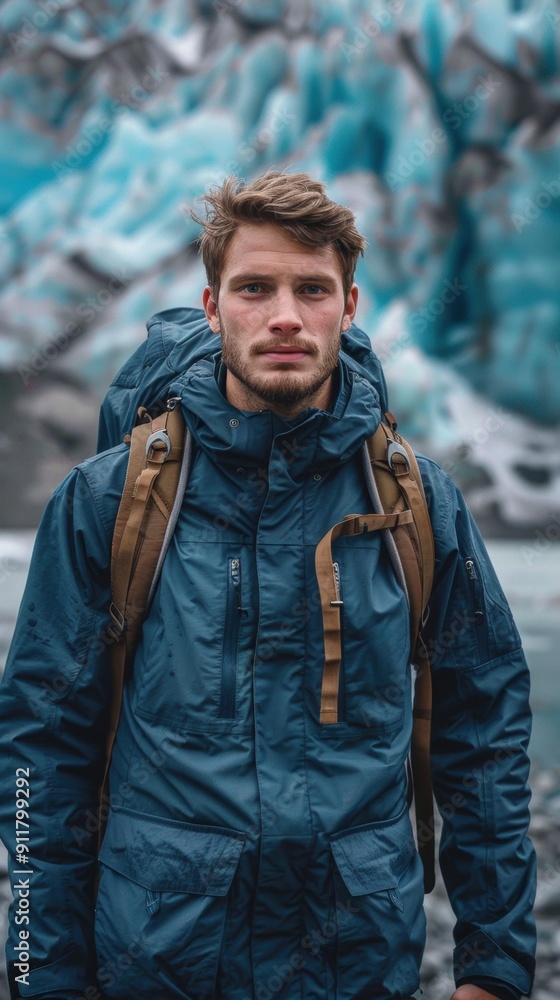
(174, 516)
(387, 536)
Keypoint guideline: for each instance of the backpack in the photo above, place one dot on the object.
(156, 479)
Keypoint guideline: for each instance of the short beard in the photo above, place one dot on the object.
(283, 390)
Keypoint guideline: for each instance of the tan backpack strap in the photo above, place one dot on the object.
(353, 524)
(144, 467)
(399, 484)
(118, 666)
(421, 770)
(410, 482)
(152, 478)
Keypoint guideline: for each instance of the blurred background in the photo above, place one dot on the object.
(437, 122)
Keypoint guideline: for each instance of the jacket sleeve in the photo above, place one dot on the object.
(53, 712)
(480, 733)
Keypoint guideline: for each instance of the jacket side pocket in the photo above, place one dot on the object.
(379, 894)
(162, 905)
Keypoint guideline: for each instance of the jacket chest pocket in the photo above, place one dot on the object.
(374, 678)
(161, 905)
(193, 671)
(378, 886)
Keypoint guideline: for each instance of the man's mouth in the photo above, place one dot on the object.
(284, 353)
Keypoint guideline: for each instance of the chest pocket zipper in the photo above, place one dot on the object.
(234, 611)
(342, 684)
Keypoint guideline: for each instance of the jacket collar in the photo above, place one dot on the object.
(316, 439)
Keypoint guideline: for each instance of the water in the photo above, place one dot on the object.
(15, 553)
(530, 575)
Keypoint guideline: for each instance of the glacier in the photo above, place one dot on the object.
(437, 123)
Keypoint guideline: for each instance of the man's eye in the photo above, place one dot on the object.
(313, 289)
(253, 288)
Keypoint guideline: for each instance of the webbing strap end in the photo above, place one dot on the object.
(118, 628)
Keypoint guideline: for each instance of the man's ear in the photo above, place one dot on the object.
(350, 308)
(210, 307)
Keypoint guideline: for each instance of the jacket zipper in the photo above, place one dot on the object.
(234, 611)
(476, 591)
(341, 680)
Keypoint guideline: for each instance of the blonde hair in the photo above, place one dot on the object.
(294, 202)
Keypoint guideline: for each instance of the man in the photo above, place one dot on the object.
(252, 850)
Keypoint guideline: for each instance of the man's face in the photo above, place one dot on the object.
(280, 312)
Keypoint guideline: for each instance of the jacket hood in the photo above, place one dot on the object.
(178, 339)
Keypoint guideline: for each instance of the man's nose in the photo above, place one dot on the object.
(284, 318)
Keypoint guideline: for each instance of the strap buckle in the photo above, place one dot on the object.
(394, 448)
(356, 524)
(118, 628)
(158, 436)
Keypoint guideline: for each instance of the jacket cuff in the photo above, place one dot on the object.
(493, 986)
(479, 957)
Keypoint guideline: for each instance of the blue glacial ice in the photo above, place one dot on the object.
(437, 124)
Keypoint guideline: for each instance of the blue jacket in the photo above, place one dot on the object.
(252, 852)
